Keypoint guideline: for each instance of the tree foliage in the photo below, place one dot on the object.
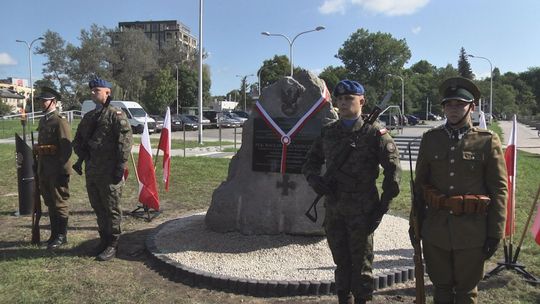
(464, 67)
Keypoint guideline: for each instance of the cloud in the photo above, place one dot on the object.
(332, 6)
(415, 30)
(385, 7)
(6, 59)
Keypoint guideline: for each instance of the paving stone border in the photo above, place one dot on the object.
(257, 288)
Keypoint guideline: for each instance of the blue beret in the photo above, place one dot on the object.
(98, 82)
(348, 87)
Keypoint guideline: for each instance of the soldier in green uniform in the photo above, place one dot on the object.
(106, 149)
(54, 150)
(353, 206)
(461, 189)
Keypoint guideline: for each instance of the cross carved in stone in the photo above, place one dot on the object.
(285, 185)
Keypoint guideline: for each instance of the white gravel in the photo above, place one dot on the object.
(273, 257)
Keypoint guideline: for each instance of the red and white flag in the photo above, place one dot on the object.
(510, 156)
(148, 194)
(165, 146)
(536, 226)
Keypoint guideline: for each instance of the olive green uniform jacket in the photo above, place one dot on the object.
(473, 165)
(54, 168)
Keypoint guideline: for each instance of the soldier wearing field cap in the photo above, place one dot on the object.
(461, 189)
(54, 151)
(354, 208)
(104, 139)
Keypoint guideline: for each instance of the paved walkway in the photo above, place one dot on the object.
(527, 138)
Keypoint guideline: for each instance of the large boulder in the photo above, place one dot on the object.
(258, 197)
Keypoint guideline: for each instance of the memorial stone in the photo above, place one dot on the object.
(265, 192)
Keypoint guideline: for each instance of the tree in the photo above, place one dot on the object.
(464, 67)
(332, 75)
(423, 67)
(134, 58)
(161, 92)
(274, 69)
(57, 65)
(370, 57)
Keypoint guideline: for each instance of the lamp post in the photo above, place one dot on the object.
(259, 79)
(490, 85)
(402, 92)
(29, 46)
(291, 42)
(177, 103)
(244, 79)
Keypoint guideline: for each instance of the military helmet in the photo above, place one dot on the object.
(459, 88)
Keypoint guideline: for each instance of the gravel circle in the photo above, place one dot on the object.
(187, 242)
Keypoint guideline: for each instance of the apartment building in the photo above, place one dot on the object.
(163, 32)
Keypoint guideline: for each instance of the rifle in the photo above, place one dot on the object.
(343, 155)
(417, 245)
(36, 212)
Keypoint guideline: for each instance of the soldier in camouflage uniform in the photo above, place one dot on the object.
(353, 207)
(54, 150)
(460, 187)
(106, 150)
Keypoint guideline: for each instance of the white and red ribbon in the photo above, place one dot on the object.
(286, 138)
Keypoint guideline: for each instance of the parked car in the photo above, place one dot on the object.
(159, 122)
(226, 121)
(390, 121)
(233, 115)
(431, 116)
(212, 116)
(413, 120)
(205, 121)
(243, 114)
(176, 123)
(183, 122)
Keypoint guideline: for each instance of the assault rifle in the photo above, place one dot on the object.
(343, 155)
(36, 212)
(416, 217)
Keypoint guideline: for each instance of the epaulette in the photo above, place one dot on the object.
(482, 130)
(437, 128)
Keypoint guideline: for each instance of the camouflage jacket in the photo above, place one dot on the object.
(108, 145)
(54, 130)
(358, 175)
(473, 164)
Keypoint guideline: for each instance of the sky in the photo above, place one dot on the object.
(506, 33)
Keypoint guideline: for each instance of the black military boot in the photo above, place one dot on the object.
(110, 252)
(103, 243)
(54, 228)
(61, 237)
(344, 297)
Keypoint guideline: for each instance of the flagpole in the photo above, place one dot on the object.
(157, 152)
(134, 167)
(514, 260)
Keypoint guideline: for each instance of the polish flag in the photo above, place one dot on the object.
(165, 146)
(148, 194)
(483, 124)
(510, 156)
(536, 226)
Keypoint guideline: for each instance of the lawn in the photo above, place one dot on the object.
(30, 274)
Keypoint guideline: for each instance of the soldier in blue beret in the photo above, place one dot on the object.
(104, 140)
(460, 193)
(53, 151)
(354, 208)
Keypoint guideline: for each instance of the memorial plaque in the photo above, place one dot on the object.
(267, 146)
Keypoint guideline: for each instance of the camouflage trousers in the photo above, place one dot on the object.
(55, 192)
(352, 251)
(454, 273)
(105, 198)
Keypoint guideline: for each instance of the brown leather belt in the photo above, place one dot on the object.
(45, 149)
(457, 204)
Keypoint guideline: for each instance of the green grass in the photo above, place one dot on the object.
(30, 274)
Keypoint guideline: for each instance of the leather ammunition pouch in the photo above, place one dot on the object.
(457, 204)
(45, 149)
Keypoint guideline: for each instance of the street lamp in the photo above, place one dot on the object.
(244, 79)
(29, 46)
(176, 65)
(291, 42)
(259, 79)
(490, 85)
(402, 92)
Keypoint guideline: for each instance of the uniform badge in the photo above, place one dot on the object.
(341, 89)
(383, 131)
(391, 147)
(118, 112)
